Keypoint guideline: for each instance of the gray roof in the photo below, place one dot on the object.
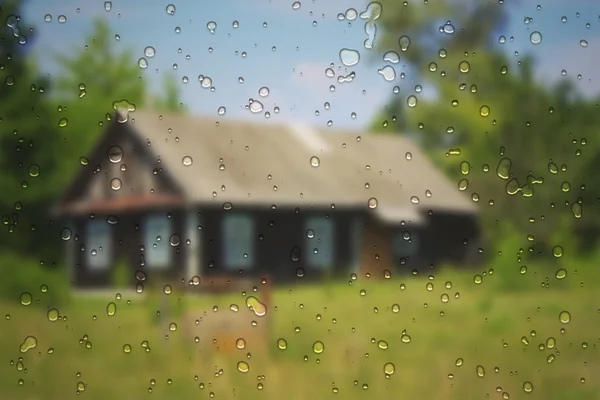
(258, 156)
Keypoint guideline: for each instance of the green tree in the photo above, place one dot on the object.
(28, 137)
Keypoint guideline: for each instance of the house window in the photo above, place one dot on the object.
(405, 244)
(158, 252)
(238, 251)
(99, 245)
(319, 242)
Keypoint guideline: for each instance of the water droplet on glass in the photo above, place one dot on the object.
(296, 5)
(187, 161)
(388, 72)
(115, 154)
(256, 106)
(143, 63)
(52, 315)
(464, 67)
(111, 309)
(527, 387)
(115, 184)
(211, 26)
(256, 306)
(391, 56)
(171, 9)
(480, 371)
(63, 122)
(62, 19)
(535, 37)
(243, 366)
(48, 18)
(411, 101)
(314, 161)
(583, 43)
(564, 317)
(349, 57)
(404, 42)
(557, 251)
(448, 28)
(29, 343)
(372, 203)
(107, 5)
(26, 298)
(149, 52)
(318, 347)
(175, 240)
(263, 91)
(577, 209)
(414, 200)
(503, 169)
(484, 111)
(351, 14)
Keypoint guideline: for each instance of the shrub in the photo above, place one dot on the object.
(21, 274)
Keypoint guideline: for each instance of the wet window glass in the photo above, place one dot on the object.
(304, 199)
(238, 241)
(99, 245)
(157, 231)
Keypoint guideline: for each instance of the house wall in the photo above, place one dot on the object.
(278, 245)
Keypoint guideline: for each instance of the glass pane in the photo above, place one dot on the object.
(99, 246)
(319, 242)
(158, 251)
(237, 242)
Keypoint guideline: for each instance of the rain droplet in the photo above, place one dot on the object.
(388, 72)
(414, 200)
(240, 343)
(149, 52)
(263, 91)
(205, 81)
(65, 234)
(52, 315)
(503, 169)
(63, 122)
(296, 5)
(314, 161)
(411, 101)
(557, 251)
(243, 366)
(484, 111)
(351, 14)
(62, 19)
(107, 5)
(583, 43)
(115, 184)
(222, 110)
(29, 343)
(404, 42)
(187, 161)
(329, 73)
(318, 347)
(527, 387)
(115, 154)
(26, 298)
(535, 37)
(171, 9)
(448, 28)
(561, 273)
(211, 26)
(175, 240)
(389, 368)
(564, 317)
(577, 209)
(480, 371)
(143, 63)
(48, 18)
(111, 309)
(349, 57)
(256, 106)
(255, 305)
(391, 56)
(282, 343)
(464, 67)
(372, 203)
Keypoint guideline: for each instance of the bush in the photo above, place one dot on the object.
(21, 274)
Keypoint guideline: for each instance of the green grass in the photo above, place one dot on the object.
(483, 326)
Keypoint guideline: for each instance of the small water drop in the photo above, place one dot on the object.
(349, 57)
(404, 42)
(314, 161)
(171, 9)
(535, 37)
(388, 72)
(211, 26)
(149, 52)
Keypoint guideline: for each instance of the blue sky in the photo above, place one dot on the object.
(295, 71)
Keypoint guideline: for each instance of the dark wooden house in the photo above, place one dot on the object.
(185, 196)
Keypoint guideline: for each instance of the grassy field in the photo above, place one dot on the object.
(361, 332)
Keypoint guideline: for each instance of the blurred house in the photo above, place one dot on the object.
(184, 196)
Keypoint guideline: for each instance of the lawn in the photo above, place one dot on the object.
(503, 342)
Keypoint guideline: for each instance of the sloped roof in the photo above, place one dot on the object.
(270, 163)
